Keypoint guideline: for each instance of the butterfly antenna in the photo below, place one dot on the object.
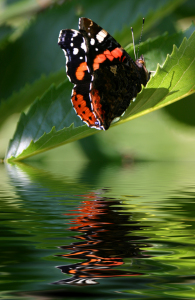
(133, 42)
(140, 37)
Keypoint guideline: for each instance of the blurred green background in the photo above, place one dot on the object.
(29, 32)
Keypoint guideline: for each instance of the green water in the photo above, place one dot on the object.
(81, 231)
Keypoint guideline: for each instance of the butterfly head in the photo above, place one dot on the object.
(140, 62)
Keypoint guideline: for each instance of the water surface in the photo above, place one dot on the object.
(72, 230)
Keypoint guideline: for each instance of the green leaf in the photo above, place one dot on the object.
(5, 32)
(18, 101)
(36, 132)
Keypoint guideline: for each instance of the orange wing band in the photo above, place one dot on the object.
(82, 110)
(80, 71)
(100, 58)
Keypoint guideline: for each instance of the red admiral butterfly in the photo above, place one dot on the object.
(105, 77)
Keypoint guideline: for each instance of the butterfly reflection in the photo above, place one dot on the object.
(106, 239)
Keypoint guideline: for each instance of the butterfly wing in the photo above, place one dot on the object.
(74, 46)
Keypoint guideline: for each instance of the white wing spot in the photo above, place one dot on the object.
(92, 41)
(96, 49)
(101, 35)
(81, 57)
(75, 33)
(83, 46)
(71, 44)
(75, 51)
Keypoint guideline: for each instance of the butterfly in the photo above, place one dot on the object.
(105, 77)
